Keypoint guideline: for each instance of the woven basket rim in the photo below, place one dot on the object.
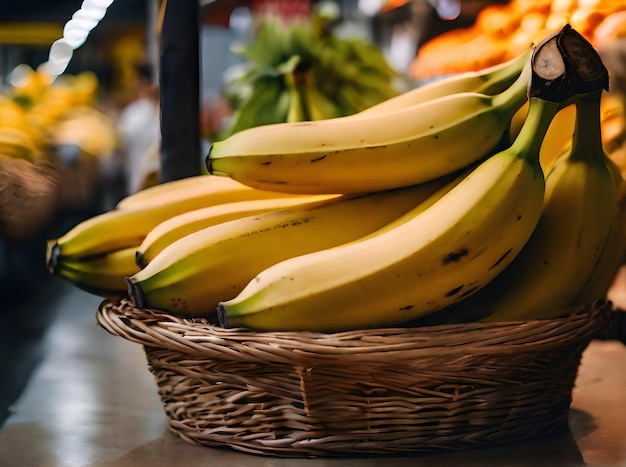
(159, 329)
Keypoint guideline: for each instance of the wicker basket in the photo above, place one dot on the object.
(383, 391)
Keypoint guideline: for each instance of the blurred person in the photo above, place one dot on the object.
(139, 126)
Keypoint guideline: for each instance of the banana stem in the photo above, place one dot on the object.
(529, 140)
(504, 74)
(514, 96)
(587, 137)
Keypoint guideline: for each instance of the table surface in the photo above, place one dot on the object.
(91, 401)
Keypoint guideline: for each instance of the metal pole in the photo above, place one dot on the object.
(179, 81)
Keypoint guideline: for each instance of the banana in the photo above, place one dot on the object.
(17, 143)
(580, 206)
(179, 226)
(611, 257)
(184, 188)
(104, 275)
(319, 106)
(426, 260)
(371, 153)
(489, 81)
(191, 275)
(128, 226)
(297, 111)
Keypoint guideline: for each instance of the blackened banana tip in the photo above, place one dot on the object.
(140, 260)
(207, 159)
(52, 256)
(135, 293)
(222, 317)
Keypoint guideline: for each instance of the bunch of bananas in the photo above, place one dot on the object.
(28, 185)
(297, 71)
(61, 111)
(425, 206)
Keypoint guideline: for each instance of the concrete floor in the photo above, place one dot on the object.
(74, 395)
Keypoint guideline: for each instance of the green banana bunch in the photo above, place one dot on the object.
(104, 275)
(127, 225)
(191, 275)
(426, 260)
(336, 70)
(267, 102)
(184, 224)
(373, 152)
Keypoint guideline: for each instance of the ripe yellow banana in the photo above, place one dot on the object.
(492, 80)
(104, 276)
(370, 153)
(424, 262)
(128, 226)
(179, 226)
(580, 205)
(612, 255)
(17, 143)
(182, 189)
(191, 275)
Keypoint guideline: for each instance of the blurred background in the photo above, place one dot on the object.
(80, 119)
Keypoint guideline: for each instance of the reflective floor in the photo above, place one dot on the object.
(91, 401)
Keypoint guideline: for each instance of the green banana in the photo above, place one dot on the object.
(263, 106)
(426, 260)
(191, 275)
(371, 153)
(296, 112)
(319, 106)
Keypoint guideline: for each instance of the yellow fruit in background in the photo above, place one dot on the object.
(85, 88)
(12, 115)
(17, 143)
(29, 85)
(88, 128)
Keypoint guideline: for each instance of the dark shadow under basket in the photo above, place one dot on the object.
(379, 391)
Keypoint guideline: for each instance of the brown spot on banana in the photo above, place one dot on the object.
(454, 291)
(317, 159)
(501, 259)
(469, 291)
(179, 304)
(455, 256)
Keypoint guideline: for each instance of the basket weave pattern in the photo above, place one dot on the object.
(385, 391)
